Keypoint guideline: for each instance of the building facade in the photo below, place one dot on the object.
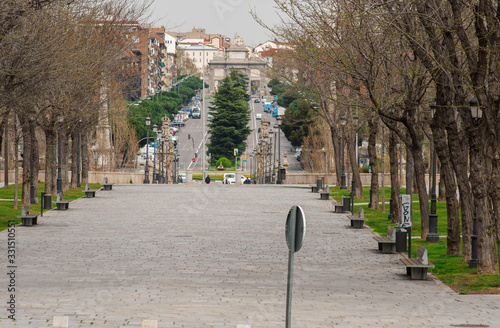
(243, 60)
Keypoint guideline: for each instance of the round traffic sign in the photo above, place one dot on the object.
(300, 227)
(194, 160)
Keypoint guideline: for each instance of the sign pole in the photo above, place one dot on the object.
(291, 246)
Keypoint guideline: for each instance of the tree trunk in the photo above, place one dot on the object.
(84, 156)
(337, 153)
(6, 152)
(36, 161)
(418, 161)
(64, 160)
(372, 158)
(447, 176)
(16, 166)
(442, 186)
(74, 159)
(382, 159)
(495, 198)
(351, 148)
(458, 145)
(51, 160)
(26, 131)
(394, 168)
(409, 172)
(480, 169)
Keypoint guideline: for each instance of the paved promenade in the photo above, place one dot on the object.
(215, 256)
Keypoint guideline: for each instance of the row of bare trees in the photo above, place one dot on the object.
(62, 63)
(390, 62)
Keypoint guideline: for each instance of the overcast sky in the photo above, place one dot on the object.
(226, 17)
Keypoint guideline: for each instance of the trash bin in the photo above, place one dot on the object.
(319, 183)
(47, 202)
(401, 239)
(346, 204)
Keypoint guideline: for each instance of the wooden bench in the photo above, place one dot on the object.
(387, 244)
(27, 218)
(417, 268)
(314, 188)
(324, 195)
(358, 221)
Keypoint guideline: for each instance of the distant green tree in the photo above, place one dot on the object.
(240, 81)
(273, 82)
(298, 116)
(231, 114)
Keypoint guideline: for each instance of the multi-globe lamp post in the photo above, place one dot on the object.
(146, 170)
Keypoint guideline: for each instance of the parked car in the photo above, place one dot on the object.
(228, 178)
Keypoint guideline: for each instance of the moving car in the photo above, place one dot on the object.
(196, 113)
(258, 116)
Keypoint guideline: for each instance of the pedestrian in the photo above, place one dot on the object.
(207, 179)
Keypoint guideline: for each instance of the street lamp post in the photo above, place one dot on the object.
(32, 167)
(255, 165)
(146, 170)
(432, 236)
(476, 115)
(342, 177)
(473, 260)
(155, 175)
(78, 157)
(278, 127)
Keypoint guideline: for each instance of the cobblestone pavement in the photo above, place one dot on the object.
(215, 256)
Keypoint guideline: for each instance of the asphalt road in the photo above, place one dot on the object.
(190, 141)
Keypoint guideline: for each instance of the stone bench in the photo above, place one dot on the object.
(324, 195)
(27, 218)
(314, 188)
(358, 221)
(107, 186)
(62, 205)
(417, 268)
(89, 193)
(387, 244)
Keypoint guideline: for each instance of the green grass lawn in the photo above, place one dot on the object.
(449, 269)
(7, 211)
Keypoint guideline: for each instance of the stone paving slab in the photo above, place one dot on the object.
(215, 256)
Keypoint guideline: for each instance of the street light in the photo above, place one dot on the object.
(78, 155)
(353, 182)
(32, 163)
(342, 177)
(155, 175)
(278, 128)
(59, 148)
(476, 115)
(432, 236)
(146, 170)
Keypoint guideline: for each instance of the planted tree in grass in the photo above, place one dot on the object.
(231, 114)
